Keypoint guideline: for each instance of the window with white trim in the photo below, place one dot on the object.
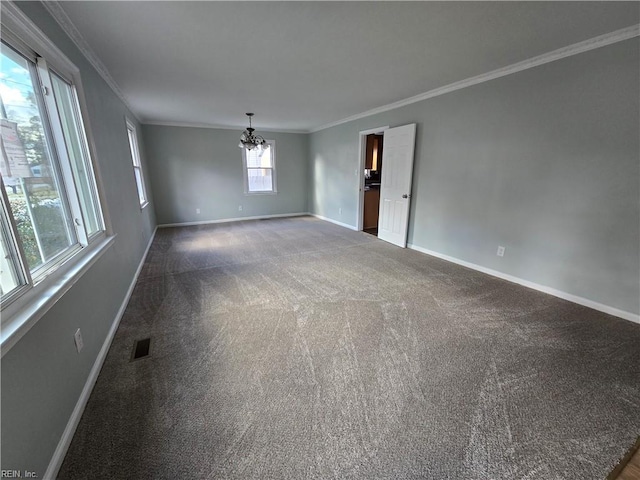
(260, 169)
(137, 165)
(49, 205)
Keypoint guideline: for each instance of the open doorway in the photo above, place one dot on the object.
(371, 148)
(372, 175)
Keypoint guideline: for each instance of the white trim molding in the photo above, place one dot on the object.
(362, 153)
(36, 303)
(535, 286)
(27, 31)
(258, 217)
(64, 442)
(60, 16)
(580, 47)
(235, 219)
(57, 12)
(330, 220)
(217, 127)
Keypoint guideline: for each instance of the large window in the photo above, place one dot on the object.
(137, 165)
(260, 169)
(50, 210)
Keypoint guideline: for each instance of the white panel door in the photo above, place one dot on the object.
(395, 188)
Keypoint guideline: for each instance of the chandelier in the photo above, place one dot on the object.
(250, 141)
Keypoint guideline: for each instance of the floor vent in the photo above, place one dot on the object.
(141, 349)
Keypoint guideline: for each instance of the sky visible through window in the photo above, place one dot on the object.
(31, 183)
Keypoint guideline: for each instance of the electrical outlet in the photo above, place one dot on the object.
(77, 338)
(500, 252)
(198, 211)
(340, 211)
(239, 208)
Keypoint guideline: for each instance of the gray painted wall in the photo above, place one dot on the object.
(42, 375)
(201, 168)
(544, 162)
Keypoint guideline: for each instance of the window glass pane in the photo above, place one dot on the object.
(30, 177)
(78, 152)
(9, 276)
(134, 148)
(256, 161)
(260, 179)
(137, 167)
(265, 160)
(252, 158)
(138, 173)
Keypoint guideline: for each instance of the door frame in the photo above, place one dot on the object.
(362, 152)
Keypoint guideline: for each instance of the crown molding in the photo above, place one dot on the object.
(15, 20)
(580, 47)
(60, 16)
(217, 127)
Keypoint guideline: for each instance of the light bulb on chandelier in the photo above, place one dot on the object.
(250, 141)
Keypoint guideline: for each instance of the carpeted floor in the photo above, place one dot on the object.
(297, 349)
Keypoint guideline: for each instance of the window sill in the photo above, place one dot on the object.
(250, 194)
(36, 302)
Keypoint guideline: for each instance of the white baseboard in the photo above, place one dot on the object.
(257, 217)
(236, 219)
(331, 220)
(72, 424)
(535, 286)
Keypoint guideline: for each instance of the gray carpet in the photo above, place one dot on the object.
(297, 349)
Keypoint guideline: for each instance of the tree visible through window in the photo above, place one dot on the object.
(42, 218)
(50, 207)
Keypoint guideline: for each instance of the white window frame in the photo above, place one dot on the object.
(137, 163)
(245, 168)
(28, 303)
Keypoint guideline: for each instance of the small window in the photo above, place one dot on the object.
(260, 169)
(137, 166)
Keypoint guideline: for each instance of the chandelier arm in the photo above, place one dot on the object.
(248, 140)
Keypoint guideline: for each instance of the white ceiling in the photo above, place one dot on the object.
(300, 65)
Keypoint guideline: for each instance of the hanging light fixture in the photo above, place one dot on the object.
(250, 141)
